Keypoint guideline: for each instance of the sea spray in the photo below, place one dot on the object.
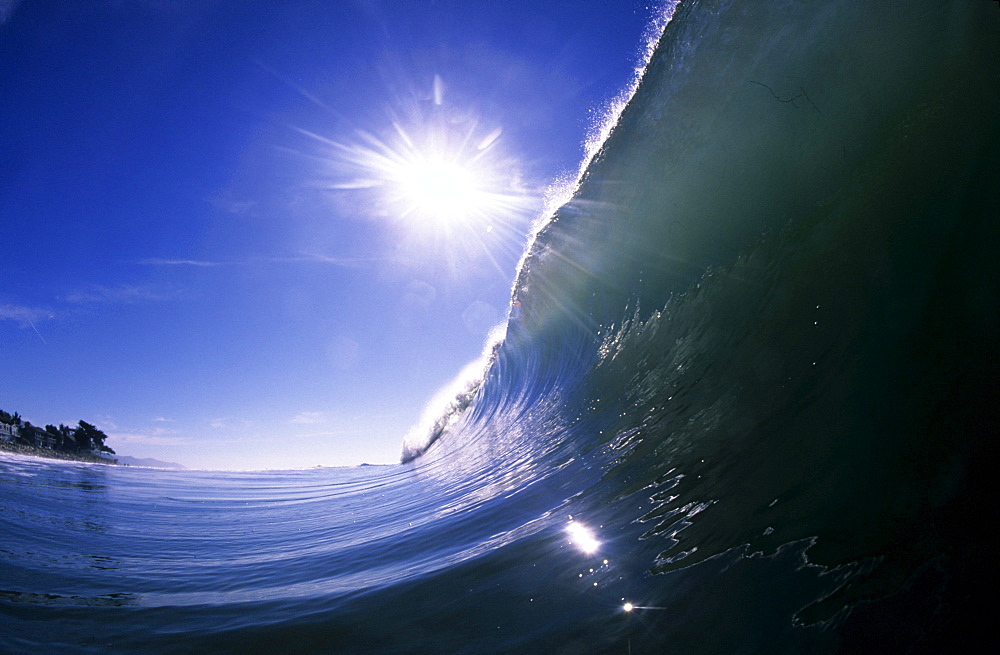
(447, 405)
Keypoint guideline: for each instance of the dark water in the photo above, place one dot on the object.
(755, 356)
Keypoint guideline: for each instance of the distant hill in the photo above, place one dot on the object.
(146, 461)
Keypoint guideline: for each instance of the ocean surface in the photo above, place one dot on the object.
(746, 401)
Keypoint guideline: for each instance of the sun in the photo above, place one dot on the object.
(439, 179)
(435, 175)
(431, 167)
(437, 189)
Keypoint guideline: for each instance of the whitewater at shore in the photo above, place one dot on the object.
(31, 451)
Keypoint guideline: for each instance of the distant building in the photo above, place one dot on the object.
(9, 432)
(44, 439)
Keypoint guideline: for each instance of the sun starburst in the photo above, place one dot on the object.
(438, 175)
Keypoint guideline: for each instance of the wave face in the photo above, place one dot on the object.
(746, 386)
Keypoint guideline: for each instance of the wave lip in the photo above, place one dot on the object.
(451, 401)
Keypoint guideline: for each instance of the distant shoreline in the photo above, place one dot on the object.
(44, 453)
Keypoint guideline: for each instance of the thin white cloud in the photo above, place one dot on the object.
(115, 295)
(231, 206)
(322, 433)
(168, 7)
(25, 316)
(157, 261)
(229, 423)
(309, 418)
(117, 439)
(317, 258)
(7, 9)
(232, 202)
(105, 422)
(305, 258)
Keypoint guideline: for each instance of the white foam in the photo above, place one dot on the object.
(451, 401)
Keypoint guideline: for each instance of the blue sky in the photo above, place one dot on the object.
(264, 234)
